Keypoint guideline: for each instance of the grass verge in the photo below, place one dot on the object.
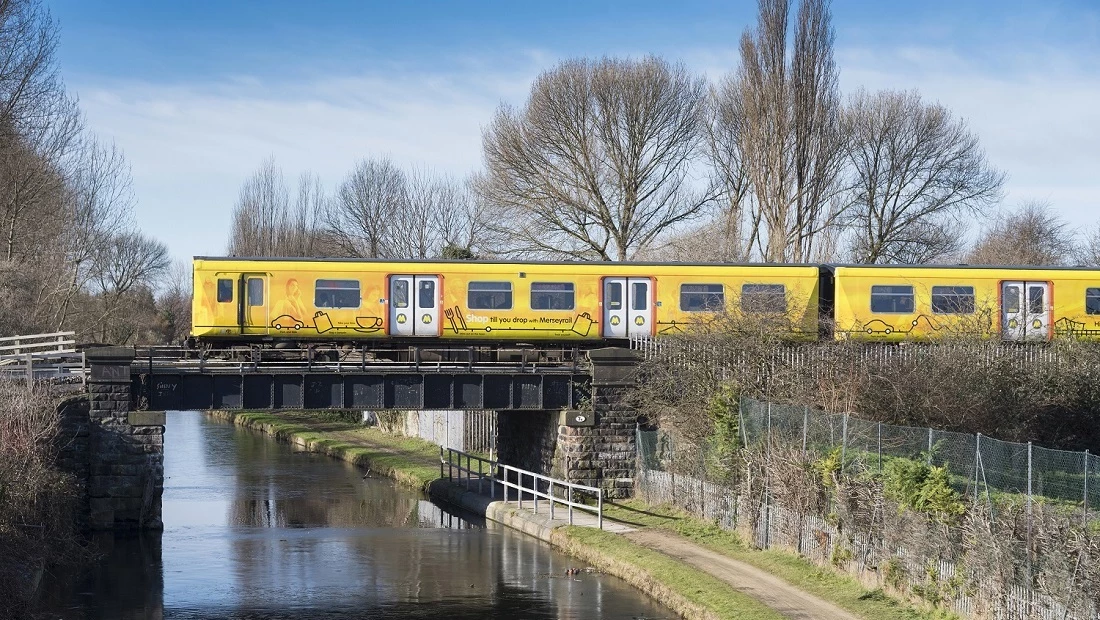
(686, 590)
(841, 590)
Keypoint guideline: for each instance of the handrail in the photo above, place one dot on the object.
(33, 336)
(446, 458)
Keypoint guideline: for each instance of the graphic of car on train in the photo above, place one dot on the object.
(333, 300)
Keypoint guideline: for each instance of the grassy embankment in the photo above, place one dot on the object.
(691, 592)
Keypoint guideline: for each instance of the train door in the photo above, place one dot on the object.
(1025, 310)
(627, 307)
(252, 312)
(414, 305)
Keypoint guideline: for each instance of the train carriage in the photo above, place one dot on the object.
(338, 300)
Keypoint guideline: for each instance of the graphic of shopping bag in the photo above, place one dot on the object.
(582, 324)
(322, 322)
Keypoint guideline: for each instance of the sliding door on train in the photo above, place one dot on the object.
(1025, 310)
(414, 305)
(252, 315)
(627, 307)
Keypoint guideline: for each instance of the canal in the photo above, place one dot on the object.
(254, 529)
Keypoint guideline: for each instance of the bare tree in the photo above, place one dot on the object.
(1088, 252)
(595, 165)
(128, 262)
(304, 234)
(1032, 235)
(359, 220)
(917, 172)
(774, 136)
(261, 213)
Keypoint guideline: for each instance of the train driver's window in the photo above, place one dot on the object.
(489, 296)
(764, 298)
(892, 298)
(401, 294)
(225, 290)
(552, 296)
(1092, 301)
(953, 299)
(702, 297)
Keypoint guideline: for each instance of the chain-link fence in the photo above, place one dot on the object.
(1029, 501)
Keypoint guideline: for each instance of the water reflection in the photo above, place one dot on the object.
(256, 530)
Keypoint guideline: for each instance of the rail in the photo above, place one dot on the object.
(494, 473)
(42, 356)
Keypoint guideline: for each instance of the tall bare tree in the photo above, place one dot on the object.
(1088, 252)
(774, 136)
(129, 263)
(359, 220)
(596, 164)
(917, 173)
(267, 223)
(1033, 234)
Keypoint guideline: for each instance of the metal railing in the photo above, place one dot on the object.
(42, 356)
(493, 473)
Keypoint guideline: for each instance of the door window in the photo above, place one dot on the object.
(1035, 300)
(615, 295)
(255, 291)
(401, 294)
(426, 294)
(639, 299)
(1012, 299)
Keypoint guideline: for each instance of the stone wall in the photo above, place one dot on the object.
(116, 453)
(604, 454)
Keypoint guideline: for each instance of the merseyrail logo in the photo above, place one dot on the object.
(401, 319)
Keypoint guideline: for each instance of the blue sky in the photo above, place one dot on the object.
(198, 93)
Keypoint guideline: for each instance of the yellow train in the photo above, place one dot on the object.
(336, 300)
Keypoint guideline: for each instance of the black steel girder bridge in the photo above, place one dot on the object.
(165, 379)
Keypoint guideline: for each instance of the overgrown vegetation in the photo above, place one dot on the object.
(903, 519)
(37, 500)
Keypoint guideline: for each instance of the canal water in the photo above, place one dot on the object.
(254, 529)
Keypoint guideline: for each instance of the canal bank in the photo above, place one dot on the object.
(690, 570)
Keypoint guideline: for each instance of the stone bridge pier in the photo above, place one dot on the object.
(594, 445)
(116, 454)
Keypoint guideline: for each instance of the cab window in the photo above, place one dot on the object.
(892, 299)
(225, 290)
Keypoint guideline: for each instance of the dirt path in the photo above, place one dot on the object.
(765, 587)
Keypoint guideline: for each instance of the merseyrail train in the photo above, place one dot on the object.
(280, 300)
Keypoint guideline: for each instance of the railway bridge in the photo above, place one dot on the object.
(568, 418)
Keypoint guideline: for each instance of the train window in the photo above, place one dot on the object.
(427, 294)
(255, 291)
(1035, 299)
(639, 299)
(764, 298)
(489, 296)
(336, 294)
(1012, 299)
(702, 297)
(953, 299)
(225, 290)
(1092, 301)
(892, 298)
(553, 296)
(615, 295)
(401, 294)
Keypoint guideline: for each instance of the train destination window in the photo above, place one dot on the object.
(615, 295)
(953, 299)
(255, 291)
(401, 294)
(764, 298)
(225, 290)
(489, 296)
(892, 298)
(336, 294)
(702, 297)
(1092, 301)
(552, 296)
(639, 300)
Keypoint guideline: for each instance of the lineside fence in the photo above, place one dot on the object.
(486, 475)
(50, 356)
(1027, 507)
